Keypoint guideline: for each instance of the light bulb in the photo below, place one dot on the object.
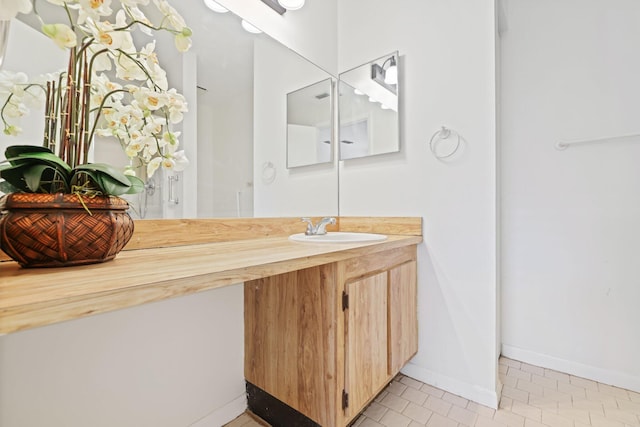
(384, 107)
(291, 4)
(391, 73)
(358, 92)
(391, 76)
(372, 99)
(250, 28)
(215, 6)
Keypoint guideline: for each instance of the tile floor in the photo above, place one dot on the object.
(531, 397)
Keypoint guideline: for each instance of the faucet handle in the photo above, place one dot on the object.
(310, 227)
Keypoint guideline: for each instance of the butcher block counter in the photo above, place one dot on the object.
(170, 258)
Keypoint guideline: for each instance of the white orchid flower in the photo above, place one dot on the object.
(173, 17)
(180, 160)
(11, 82)
(153, 165)
(93, 9)
(15, 110)
(152, 65)
(177, 106)
(183, 42)
(168, 163)
(170, 140)
(134, 147)
(153, 126)
(12, 130)
(10, 8)
(128, 69)
(129, 171)
(61, 34)
(139, 15)
(102, 60)
(151, 100)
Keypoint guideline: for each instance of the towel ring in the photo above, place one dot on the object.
(268, 172)
(440, 135)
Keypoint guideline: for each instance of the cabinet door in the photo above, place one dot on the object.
(403, 318)
(366, 339)
(290, 340)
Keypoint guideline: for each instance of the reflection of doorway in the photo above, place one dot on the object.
(225, 151)
(354, 139)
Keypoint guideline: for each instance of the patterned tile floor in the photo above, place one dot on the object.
(531, 397)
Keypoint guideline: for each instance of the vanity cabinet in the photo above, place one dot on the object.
(326, 340)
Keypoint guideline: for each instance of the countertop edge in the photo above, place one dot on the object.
(18, 317)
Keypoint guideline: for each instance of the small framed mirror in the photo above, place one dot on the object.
(368, 109)
(309, 125)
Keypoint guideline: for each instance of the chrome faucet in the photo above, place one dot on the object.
(320, 227)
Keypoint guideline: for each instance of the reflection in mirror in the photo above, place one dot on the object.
(235, 131)
(368, 109)
(309, 133)
(240, 106)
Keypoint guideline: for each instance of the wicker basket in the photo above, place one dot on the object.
(55, 230)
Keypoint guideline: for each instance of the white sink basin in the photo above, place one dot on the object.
(338, 237)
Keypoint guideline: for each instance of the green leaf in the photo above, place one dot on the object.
(100, 181)
(40, 157)
(39, 177)
(14, 175)
(112, 187)
(6, 187)
(137, 185)
(17, 150)
(33, 176)
(105, 169)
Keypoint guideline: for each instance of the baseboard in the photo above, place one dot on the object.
(224, 415)
(606, 376)
(472, 392)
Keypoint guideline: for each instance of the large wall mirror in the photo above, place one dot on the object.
(368, 109)
(235, 133)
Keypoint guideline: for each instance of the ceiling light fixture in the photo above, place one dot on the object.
(215, 6)
(273, 4)
(291, 4)
(250, 28)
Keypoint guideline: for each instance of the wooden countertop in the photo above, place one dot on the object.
(37, 297)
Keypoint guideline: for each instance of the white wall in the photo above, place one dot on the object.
(570, 218)
(225, 120)
(173, 363)
(310, 31)
(447, 56)
(304, 191)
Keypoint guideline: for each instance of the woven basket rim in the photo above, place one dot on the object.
(60, 200)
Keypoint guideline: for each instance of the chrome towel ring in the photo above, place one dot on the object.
(439, 138)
